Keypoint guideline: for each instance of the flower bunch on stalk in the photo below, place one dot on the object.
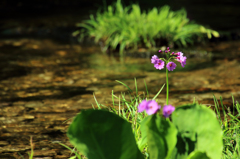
(151, 107)
(159, 63)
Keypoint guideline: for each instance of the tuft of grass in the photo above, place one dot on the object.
(121, 28)
(229, 120)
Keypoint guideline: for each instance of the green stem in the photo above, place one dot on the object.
(167, 91)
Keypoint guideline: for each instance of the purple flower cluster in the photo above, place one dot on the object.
(159, 63)
(151, 107)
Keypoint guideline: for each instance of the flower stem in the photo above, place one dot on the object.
(167, 91)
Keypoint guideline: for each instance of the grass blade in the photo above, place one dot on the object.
(158, 92)
(125, 85)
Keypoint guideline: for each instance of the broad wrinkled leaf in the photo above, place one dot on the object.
(99, 134)
(199, 130)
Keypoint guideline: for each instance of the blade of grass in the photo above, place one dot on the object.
(72, 150)
(146, 88)
(113, 98)
(158, 92)
(217, 109)
(32, 147)
(233, 104)
(20, 155)
(223, 110)
(136, 87)
(125, 85)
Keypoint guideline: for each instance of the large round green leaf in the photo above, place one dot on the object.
(100, 134)
(198, 130)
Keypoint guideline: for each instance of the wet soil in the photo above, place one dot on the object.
(44, 83)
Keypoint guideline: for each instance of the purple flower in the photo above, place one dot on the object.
(152, 107)
(167, 110)
(171, 66)
(154, 59)
(142, 106)
(182, 60)
(168, 49)
(159, 64)
(179, 54)
(160, 51)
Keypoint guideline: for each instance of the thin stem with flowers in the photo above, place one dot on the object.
(151, 107)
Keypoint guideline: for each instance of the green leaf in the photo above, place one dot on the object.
(198, 130)
(161, 136)
(215, 34)
(143, 128)
(198, 155)
(99, 134)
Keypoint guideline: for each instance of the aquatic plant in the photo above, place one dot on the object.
(130, 28)
(139, 129)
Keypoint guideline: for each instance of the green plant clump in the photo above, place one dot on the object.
(141, 128)
(202, 135)
(129, 28)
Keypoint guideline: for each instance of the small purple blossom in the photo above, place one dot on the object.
(171, 66)
(179, 54)
(160, 51)
(159, 64)
(167, 110)
(152, 107)
(168, 50)
(154, 59)
(182, 60)
(142, 106)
